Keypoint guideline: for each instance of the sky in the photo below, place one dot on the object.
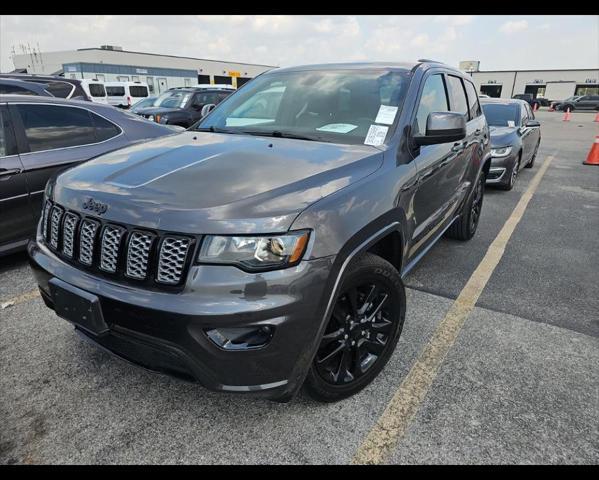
(498, 42)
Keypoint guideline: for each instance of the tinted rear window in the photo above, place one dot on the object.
(104, 128)
(115, 91)
(138, 91)
(97, 90)
(48, 127)
(15, 90)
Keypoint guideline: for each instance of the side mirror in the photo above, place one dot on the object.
(533, 123)
(443, 127)
(206, 109)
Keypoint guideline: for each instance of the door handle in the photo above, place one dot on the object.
(9, 172)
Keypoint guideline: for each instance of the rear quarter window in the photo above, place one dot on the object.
(473, 104)
(457, 95)
(105, 129)
(138, 91)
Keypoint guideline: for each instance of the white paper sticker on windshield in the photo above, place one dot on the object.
(338, 127)
(376, 135)
(511, 123)
(386, 115)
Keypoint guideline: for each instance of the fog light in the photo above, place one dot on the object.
(241, 338)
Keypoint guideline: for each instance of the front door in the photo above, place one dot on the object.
(16, 218)
(436, 182)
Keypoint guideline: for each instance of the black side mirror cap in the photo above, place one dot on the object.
(443, 127)
(533, 123)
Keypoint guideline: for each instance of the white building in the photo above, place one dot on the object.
(506, 84)
(109, 63)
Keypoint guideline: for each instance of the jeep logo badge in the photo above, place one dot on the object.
(98, 207)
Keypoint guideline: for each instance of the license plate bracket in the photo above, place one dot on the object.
(78, 307)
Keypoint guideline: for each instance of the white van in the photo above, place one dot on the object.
(95, 89)
(126, 94)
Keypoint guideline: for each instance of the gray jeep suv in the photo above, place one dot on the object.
(264, 248)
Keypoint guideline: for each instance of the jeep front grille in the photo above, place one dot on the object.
(111, 242)
(68, 233)
(138, 254)
(172, 259)
(87, 240)
(55, 218)
(121, 251)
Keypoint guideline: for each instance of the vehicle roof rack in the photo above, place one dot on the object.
(428, 60)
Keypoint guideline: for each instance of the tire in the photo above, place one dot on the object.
(512, 177)
(464, 227)
(534, 156)
(335, 376)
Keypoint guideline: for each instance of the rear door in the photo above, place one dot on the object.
(530, 137)
(16, 219)
(527, 134)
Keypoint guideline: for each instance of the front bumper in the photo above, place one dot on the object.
(166, 332)
(501, 168)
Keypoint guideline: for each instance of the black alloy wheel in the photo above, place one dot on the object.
(362, 331)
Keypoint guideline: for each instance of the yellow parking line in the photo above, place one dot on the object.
(25, 297)
(404, 405)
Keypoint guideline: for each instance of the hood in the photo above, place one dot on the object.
(199, 182)
(502, 136)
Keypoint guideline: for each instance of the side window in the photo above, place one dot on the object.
(473, 104)
(529, 112)
(48, 127)
(433, 99)
(15, 90)
(457, 95)
(104, 128)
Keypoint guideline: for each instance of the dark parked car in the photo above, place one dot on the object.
(515, 139)
(145, 103)
(532, 100)
(584, 102)
(41, 135)
(11, 86)
(183, 106)
(61, 87)
(265, 247)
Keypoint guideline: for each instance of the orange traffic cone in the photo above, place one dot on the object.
(567, 115)
(593, 157)
(596, 117)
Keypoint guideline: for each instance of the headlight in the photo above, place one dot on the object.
(151, 118)
(501, 152)
(255, 253)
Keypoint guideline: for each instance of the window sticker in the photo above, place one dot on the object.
(386, 115)
(337, 127)
(511, 123)
(376, 135)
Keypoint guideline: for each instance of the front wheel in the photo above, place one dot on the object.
(362, 331)
(464, 227)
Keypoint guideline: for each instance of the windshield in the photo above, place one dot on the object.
(172, 99)
(341, 106)
(501, 114)
(145, 103)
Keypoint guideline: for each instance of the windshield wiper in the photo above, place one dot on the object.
(279, 134)
(212, 129)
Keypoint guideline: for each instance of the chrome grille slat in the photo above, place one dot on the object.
(87, 238)
(47, 208)
(111, 242)
(55, 218)
(171, 260)
(68, 233)
(138, 253)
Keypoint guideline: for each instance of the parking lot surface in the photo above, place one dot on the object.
(519, 384)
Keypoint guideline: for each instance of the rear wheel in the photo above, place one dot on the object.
(465, 226)
(362, 332)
